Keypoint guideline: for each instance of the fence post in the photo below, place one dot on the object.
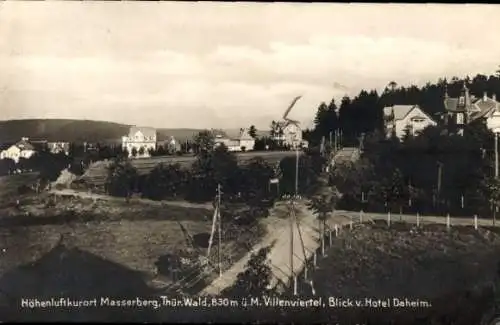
(336, 230)
(361, 216)
(312, 288)
(475, 221)
(389, 218)
(418, 220)
(330, 237)
(294, 285)
(350, 224)
(448, 221)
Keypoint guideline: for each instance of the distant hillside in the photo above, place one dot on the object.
(61, 130)
(78, 131)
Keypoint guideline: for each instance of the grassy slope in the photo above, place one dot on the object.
(133, 235)
(430, 264)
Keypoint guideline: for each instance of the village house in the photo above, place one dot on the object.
(244, 141)
(170, 145)
(405, 119)
(21, 149)
(290, 135)
(139, 140)
(466, 109)
(58, 147)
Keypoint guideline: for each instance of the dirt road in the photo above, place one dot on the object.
(307, 241)
(95, 196)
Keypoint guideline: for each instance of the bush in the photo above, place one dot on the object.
(164, 181)
(122, 179)
(255, 279)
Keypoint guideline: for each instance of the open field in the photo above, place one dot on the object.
(449, 273)
(81, 247)
(10, 183)
(97, 172)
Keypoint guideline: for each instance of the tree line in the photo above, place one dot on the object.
(434, 172)
(363, 113)
(248, 183)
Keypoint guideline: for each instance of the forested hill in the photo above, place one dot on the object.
(363, 113)
(76, 131)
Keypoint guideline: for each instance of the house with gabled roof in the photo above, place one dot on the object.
(466, 109)
(289, 134)
(402, 119)
(140, 140)
(21, 149)
(243, 142)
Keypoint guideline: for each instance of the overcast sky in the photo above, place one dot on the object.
(226, 64)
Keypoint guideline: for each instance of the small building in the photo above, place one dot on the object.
(21, 149)
(403, 119)
(244, 141)
(140, 140)
(170, 145)
(58, 147)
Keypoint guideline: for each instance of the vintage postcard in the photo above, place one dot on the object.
(249, 162)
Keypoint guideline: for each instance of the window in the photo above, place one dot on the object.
(460, 118)
(461, 101)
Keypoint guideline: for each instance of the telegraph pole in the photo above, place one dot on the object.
(219, 230)
(496, 154)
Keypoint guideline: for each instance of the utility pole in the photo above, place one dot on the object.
(336, 140)
(440, 165)
(219, 230)
(330, 144)
(496, 154)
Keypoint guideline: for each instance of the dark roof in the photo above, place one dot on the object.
(451, 105)
(485, 105)
(24, 145)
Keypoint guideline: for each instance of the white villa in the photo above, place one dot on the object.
(244, 142)
(400, 118)
(142, 139)
(21, 149)
(290, 135)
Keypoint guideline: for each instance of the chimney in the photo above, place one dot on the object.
(485, 96)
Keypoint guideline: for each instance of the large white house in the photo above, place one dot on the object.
(142, 139)
(244, 142)
(21, 149)
(290, 135)
(400, 119)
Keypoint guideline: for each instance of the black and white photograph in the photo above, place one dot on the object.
(249, 162)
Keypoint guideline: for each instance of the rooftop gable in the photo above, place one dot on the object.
(24, 145)
(146, 131)
(399, 111)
